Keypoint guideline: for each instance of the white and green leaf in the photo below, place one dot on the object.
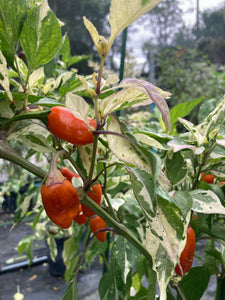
(121, 100)
(125, 12)
(207, 202)
(77, 105)
(122, 148)
(4, 78)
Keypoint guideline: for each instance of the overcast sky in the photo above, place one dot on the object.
(203, 5)
(137, 38)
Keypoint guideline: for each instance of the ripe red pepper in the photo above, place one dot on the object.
(66, 126)
(68, 173)
(209, 178)
(80, 217)
(97, 223)
(186, 258)
(96, 195)
(60, 198)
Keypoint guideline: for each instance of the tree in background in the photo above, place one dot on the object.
(72, 15)
(165, 20)
(212, 35)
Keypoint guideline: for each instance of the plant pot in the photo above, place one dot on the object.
(57, 268)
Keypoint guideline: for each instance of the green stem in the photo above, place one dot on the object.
(92, 166)
(84, 252)
(98, 87)
(8, 153)
(119, 228)
(196, 182)
(81, 174)
(41, 115)
(112, 212)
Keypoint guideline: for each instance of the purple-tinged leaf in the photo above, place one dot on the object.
(155, 94)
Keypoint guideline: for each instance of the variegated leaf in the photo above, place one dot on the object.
(125, 12)
(194, 132)
(155, 94)
(77, 105)
(4, 79)
(207, 202)
(121, 100)
(122, 148)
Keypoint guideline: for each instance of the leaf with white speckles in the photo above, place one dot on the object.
(206, 202)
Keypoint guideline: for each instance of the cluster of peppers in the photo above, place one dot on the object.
(60, 198)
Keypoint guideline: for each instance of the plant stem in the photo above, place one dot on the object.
(180, 292)
(119, 228)
(112, 212)
(41, 115)
(88, 244)
(93, 161)
(98, 87)
(8, 153)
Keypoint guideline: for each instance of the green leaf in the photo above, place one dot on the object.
(37, 217)
(24, 243)
(125, 254)
(183, 109)
(195, 133)
(48, 102)
(23, 208)
(70, 258)
(195, 283)
(206, 202)
(111, 285)
(174, 168)
(71, 292)
(41, 36)
(78, 106)
(37, 142)
(69, 249)
(95, 248)
(184, 201)
(52, 247)
(65, 50)
(12, 14)
(143, 189)
(213, 120)
(213, 187)
(93, 31)
(121, 100)
(4, 79)
(123, 149)
(21, 68)
(76, 59)
(148, 140)
(36, 78)
(165, 239)
(125, 12)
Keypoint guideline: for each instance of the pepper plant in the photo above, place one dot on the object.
(150, 176)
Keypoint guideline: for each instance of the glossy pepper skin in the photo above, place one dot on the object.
(97, 223)
(66, 126)
(209, 178)
(186, 258)
(68, 173)
(61, 202)
(96, 195)
(80, 217)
